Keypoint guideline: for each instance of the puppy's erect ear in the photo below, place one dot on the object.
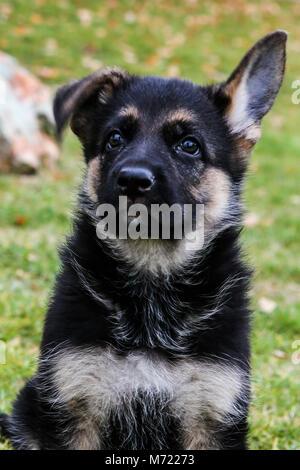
(73, 101)
(251, 89)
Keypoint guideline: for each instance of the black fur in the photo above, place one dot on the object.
(197, 311)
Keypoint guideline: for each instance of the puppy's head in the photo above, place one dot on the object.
(168, 140)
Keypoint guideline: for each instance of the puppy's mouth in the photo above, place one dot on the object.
(138, 221)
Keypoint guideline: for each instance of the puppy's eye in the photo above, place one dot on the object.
(114, 140)
(190, 146)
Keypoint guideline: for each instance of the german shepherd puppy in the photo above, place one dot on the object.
(146, 342)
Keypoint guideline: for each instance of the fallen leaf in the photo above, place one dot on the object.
(34, 350)
(112, 23)
(277, 122)
(22, 30)
(32, 257)
(291, 170)
(295, 199)
(152, 60)
(144, 18)
(177, 40)
(91, 63)
(47, 72)
(3, 43)
(130, 57)
(85, 16)
(280, 354)
(173, 71)
(201, 20)
(253, 166)
(208, 69)
(5, 11)
(112, 4)
(89, 49)
(50, 46)
(20, 220)
(164, 52)
(100, 33)
(250, 220)
(58, 176)
(14, 342)
(130, 17)
(266, 305)
(34, 286)
(36, 18)
(268, 221)
(20, 273)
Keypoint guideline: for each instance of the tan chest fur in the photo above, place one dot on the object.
(197, 390)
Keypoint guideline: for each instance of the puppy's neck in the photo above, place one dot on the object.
(150, 259)
(159, 258)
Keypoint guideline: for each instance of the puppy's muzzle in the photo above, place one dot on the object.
(135, 181)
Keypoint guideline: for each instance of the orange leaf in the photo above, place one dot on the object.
(20, 220)
(280, 354)
(152, 60)
(47, 72)
(36, 18)
(21, 30)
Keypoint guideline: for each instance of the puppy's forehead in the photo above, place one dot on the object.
(160, 100)
(162, 116)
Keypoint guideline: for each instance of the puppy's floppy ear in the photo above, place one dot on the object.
(72, 101)
(251, 89)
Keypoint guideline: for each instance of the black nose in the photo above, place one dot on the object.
(135, 181)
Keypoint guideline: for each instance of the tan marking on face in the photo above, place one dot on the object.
(129, 111)
(93, 178)
(244, 145)
(181, 114)
(214, 186)
(246, 141)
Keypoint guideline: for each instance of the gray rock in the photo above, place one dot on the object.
(26, 120)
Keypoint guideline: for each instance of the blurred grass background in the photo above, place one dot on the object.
(62, 39)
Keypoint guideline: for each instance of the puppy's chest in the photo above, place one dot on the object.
(158, 319)
(104, 381)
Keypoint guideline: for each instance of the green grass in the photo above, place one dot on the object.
(202, 43)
